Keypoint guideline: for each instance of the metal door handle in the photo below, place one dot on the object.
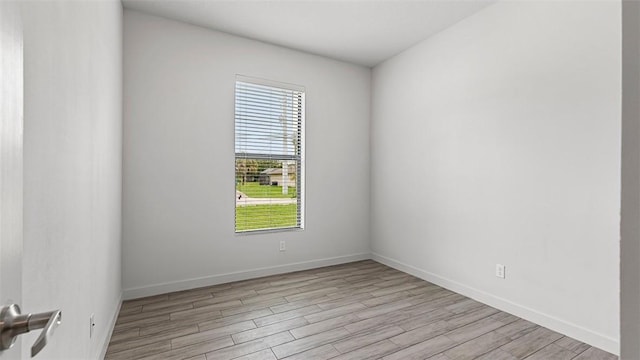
(12, 324)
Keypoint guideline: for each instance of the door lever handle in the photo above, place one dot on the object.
(13, 324)
(48, 322)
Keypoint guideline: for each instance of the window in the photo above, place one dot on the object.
(269, 148)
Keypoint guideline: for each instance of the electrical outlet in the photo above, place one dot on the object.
(283, 245)
(92, 324)
(500, 271)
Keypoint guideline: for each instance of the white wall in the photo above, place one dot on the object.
(178, 211)
(498, 141)
(630, 225)
(72, 170)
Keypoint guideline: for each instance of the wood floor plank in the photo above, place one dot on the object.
(404, 314)
(197, 357)
(552, 352)
(319, 353)
(375, 301)
(394, 289)
(200, 313)
(192, 350)
(311, 294)
(164, 326)
(595, 354)
(263, 331)
(323, 326)
(366, 282)
(424, 287)
(293, 305)
(572, 345)
(328, 314)
(175, 303)
(390, 275)
(353, 290)
(384, 309)
(238, 291)
(221, 306)
(234, 310)
(272, 319)
(383, 319)
(373, 351)
(141, 351)
(531, 342)
(334, 300)
(471, 316)
(265, 354)
(130, 310)
(497, 354)
(191, 294)
(233, 319)
(504, 317)
(224, 298)
(421, 334)
(517, 328)
(309, 342)
(211, 334)
(367, 338)
(145, 300)
(123, 335)
(296, 285)
(464, 306)
(439, 357)
(478, 346)
(250, 347)
(135, 342)
(360, 310)
(248, 300)
(473, 330)
(293, 280)
(154, 313)
(141, 322)
(324, 283)
(423, 349)
(416, 321)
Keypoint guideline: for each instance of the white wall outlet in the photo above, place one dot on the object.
(500, 271)
(283, 245)
(92, 324)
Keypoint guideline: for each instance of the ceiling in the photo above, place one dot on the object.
(361, 32)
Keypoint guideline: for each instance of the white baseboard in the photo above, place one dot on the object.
(564, 327)
(138, 292)
(110, 327)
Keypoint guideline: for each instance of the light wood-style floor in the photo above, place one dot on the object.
(361, 310)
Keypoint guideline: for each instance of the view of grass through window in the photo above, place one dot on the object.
(261, 202)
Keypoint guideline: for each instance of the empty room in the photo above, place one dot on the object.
(266, 180)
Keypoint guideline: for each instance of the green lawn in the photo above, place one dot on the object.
(255, 190)
(265, 216)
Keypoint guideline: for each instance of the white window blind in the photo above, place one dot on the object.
(269, 154)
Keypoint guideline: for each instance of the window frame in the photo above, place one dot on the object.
(300, 177)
